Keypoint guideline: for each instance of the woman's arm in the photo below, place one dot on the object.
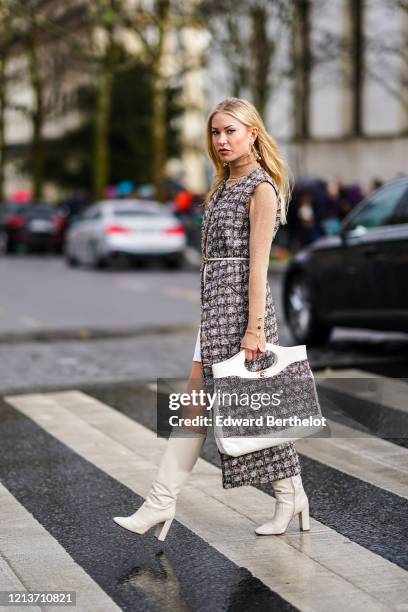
(262, 215)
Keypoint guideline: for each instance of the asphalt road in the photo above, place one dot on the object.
(60, 326)
(42, 293)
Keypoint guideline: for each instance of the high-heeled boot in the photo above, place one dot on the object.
(291, 500)
(159, 508)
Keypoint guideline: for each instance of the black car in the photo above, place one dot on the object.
(12, 224)
(358, 278)
(35, 225)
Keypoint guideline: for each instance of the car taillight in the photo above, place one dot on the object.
(180, 229)
(16, 221)
(58, 222)
(118, 229)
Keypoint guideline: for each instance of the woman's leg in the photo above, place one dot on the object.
(178, 460)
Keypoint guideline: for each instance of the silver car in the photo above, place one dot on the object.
(137, 229)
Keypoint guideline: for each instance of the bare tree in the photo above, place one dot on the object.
(387, 55)
(368, 55)
(154, 24)
(5, 47)
(104, 21)
(302, 68)
(248, 34)
(34, 27)
(151, 27)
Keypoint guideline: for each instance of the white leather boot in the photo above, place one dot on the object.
(291, 500)
(159, 507)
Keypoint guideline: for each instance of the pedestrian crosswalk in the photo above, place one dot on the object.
(71, 462)
(371, 459)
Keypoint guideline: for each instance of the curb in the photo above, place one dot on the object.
(92, 333)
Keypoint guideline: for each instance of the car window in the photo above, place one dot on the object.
(91, 215)
(13, 208)
(138, 212)
(41, 212)
(379, 209)
(400, 214)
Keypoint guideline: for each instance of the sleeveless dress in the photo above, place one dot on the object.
(224, 316)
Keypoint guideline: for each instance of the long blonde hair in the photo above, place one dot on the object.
(271, 159)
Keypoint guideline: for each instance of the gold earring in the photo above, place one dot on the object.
(255, 152)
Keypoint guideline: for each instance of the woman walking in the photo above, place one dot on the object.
(243, 211)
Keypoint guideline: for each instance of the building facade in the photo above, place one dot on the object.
(342, 113)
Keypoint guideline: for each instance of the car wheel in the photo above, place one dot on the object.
(173, 262)
(301, 313)
(98, 262)
(7, 245)
(71, 260)
(138, 263)
(4, 243)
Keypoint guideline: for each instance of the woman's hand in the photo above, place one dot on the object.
(250, 354)
(253, 344)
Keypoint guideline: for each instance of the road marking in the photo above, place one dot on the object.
(31, 322)
(31, 559)
(358, 454)
(320, 570)
(132, 284)
(388, 392)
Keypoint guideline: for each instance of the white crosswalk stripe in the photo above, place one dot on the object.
(389, 391)
(319, 570)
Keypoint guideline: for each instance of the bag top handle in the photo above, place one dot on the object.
(235, 365)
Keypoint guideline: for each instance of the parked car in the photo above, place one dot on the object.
(358, 278)
(135, 229)
(12, 221)
(35, 225)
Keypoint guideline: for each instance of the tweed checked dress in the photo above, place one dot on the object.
(224, 316)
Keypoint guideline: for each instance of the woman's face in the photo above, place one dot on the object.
(230, 137)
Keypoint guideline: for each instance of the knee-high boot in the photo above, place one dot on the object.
(159, 508)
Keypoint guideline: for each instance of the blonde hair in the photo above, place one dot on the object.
(271, 159)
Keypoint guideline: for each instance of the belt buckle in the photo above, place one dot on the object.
(205, 259)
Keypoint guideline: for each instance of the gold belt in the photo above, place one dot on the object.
(207, 259)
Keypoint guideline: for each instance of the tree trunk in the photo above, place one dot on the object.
(159, 90)
(302, 69)
(159, 135)
(262, 50)
(102, 121)
(37, 144)
(2, 127)
(357, 54)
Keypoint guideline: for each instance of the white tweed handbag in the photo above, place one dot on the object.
(257, 410)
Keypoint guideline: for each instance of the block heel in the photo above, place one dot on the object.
(304, 522)
(162, 530)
